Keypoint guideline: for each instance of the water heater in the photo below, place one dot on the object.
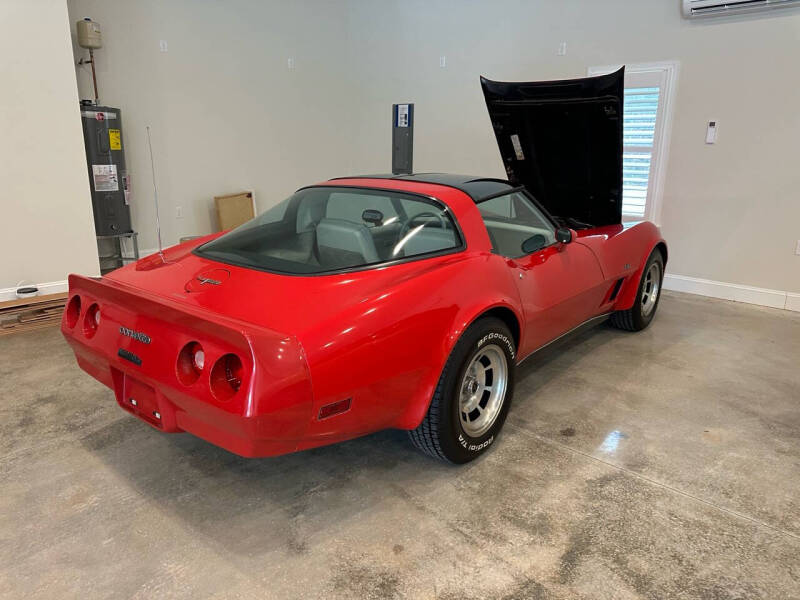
(108, 179)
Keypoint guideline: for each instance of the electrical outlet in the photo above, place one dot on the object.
(562, 49)
(443, 62)
(178, 212)
(797, 248)
(162, 45)
(290, 63)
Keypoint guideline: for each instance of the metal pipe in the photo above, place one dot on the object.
(94, 77)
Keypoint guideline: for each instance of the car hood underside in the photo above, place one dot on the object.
(562, 140)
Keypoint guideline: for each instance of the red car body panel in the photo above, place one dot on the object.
(377, 337)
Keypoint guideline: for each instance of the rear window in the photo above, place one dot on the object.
(323, 229)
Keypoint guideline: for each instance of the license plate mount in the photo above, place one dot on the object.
(141, 400)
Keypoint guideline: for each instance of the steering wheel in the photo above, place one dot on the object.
(412, 222)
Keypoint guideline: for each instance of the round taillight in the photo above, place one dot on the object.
(191, 361)
(226, 377)
(91, 320)
(73, 310)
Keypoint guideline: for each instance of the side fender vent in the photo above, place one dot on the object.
(615, 291)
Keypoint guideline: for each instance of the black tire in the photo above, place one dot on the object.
(641, 314)
(441, 433)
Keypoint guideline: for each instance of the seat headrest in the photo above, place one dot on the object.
(344, 244)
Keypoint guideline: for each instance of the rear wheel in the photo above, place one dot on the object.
(648, 294)
(473, 395)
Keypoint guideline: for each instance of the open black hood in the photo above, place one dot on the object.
(562, 140)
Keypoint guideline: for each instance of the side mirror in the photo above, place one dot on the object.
(534, 243)
(564, 235)
(372, 216)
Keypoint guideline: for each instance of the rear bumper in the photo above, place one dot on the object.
(171, 410)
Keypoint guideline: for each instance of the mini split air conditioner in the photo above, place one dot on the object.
(707, 8)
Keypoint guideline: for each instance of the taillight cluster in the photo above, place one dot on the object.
(225, 376)
(91, 319)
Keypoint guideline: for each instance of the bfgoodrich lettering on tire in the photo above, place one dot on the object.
(473, 395)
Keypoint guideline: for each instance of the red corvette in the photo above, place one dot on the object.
(377, 302)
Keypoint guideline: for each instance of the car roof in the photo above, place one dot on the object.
(477, 188)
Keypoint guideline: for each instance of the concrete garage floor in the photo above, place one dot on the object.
(664, 464)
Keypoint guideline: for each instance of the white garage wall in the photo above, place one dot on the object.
(226, 112)
(731, 211)
(46, 227)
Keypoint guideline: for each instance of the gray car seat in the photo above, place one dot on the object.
(344, 244)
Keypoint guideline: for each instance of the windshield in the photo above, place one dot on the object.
(322, 229)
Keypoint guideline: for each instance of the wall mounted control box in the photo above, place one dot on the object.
(402, 139)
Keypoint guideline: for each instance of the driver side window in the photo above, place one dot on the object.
(515, 225)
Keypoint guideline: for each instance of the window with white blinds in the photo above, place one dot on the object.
(645, 128)
(638, 132)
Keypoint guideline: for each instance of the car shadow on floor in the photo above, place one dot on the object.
(538, 369)
(256, 505)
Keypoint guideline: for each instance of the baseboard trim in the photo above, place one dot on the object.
(51, 287)
(792, 301)
(732, 291)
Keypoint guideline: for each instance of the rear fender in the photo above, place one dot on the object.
(419, 404)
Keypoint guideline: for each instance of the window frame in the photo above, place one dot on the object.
(665, 74)
(461, 247)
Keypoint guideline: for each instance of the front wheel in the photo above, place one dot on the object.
(648, 294)
(473, 395)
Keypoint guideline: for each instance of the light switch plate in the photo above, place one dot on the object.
(162, 45)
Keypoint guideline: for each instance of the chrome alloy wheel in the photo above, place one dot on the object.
(483, 390)
(650, 288)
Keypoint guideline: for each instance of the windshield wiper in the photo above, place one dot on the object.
(572, 223)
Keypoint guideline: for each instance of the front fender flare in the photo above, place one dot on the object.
(628, 295)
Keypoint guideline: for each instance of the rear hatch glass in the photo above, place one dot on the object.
(328, 229)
